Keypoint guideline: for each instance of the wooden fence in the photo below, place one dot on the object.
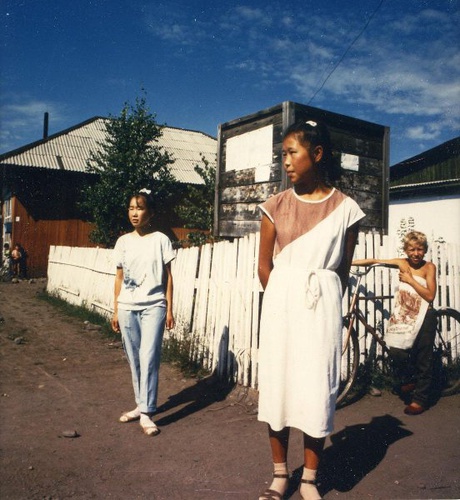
(217, 295)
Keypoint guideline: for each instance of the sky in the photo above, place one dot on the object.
(203, 63)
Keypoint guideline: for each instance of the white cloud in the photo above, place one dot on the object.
(423, 132)
(405, 64)
(25, 117)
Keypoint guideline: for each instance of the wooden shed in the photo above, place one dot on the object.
(249, 165)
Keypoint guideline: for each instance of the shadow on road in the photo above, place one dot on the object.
(195, 398)
(355, 451)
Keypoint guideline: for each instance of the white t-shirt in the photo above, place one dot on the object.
(142, 259)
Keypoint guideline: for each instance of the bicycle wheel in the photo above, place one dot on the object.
(447, 351)
(349, 366)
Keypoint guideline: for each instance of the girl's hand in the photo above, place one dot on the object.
(170, 323)
(405, 275)
(115, 324)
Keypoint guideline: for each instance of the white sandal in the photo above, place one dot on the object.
(130, 416)
(149, 427)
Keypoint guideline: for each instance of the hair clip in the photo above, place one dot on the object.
(311, 123)
(146, 191)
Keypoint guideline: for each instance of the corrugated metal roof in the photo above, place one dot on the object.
(68, 150)
(426, 184)
(441, 163)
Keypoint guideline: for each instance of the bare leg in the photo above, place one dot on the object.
(313, 448)
(279, 441)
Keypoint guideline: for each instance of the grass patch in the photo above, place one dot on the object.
(177, 352)
(78, 312)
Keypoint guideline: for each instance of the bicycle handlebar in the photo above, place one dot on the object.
(372, 266)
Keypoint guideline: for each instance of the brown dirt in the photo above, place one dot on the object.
(57, 377)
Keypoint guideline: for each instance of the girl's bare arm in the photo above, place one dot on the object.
(117, 288)
(170, 322)
(401, 263)
(343, 270)
(427, 293)
(267, 245)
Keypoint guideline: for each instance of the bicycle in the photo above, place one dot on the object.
(446, 346)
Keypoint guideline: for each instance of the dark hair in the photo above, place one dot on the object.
(314, 133)
(146, 195)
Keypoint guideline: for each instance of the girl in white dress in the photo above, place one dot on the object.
(143, 304)
(307, 239)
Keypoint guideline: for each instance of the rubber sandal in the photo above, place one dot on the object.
(130, 416)
(270, 494)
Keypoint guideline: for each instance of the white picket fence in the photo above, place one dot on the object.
(217, 295)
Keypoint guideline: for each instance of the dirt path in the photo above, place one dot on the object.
(58, 377)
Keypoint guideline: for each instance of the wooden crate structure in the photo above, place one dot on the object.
(249, 165)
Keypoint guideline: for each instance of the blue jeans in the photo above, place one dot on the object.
(142, 334)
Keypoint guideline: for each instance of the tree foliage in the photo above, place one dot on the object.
(128, 160)
(197, 208)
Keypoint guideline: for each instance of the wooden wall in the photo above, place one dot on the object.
(239, 191)
(36, 236)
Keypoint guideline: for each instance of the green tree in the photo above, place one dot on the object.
(197, 208)
(128, 160)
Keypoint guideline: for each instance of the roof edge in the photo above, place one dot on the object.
(22, 149)
(34, 144)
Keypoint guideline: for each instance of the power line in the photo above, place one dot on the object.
(346, 52)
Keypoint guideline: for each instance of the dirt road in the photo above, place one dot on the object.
(58, 378)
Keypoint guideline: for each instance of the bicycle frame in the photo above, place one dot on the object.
(354, 312)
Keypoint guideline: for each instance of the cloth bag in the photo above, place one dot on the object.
(407, 316)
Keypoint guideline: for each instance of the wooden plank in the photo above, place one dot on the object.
(243, 212)
(201, 307)
(360, 182)
(247, 176)
(239, 228)
(254, 193)
(256, 294)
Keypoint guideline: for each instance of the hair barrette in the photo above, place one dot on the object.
(311, 123)
(146, 191)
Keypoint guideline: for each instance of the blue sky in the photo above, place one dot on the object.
(202, 63)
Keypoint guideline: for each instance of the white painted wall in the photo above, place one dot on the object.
(437, 218)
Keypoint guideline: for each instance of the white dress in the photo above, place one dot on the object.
(301, 323)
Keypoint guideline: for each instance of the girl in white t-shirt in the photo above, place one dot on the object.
(143, 304)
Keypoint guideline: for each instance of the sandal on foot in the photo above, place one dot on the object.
(129, 416)
(149, 427)
(308, 481)
(270, 494)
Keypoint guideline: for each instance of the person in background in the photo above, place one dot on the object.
(22, 262)
(307, 239)
(6, 260)
(16, 257)
(412, 326)
(143, 304)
